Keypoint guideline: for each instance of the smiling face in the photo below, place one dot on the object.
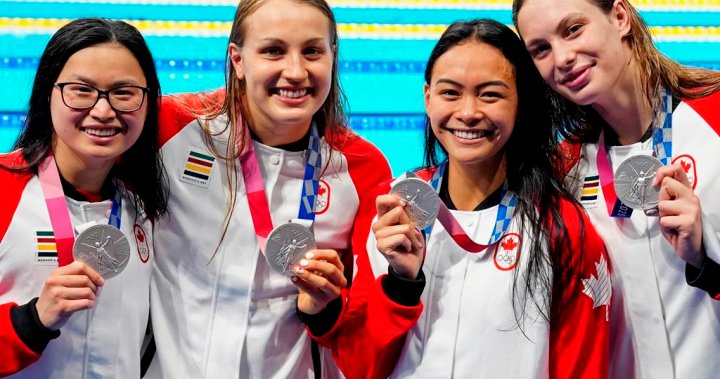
(472, 102)
(285, 63)
(579, 49)
(98, 135)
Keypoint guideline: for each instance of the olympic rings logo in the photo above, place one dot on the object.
(507, 258)
(507, 251)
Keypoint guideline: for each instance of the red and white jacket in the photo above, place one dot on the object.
(218, 310)
(467, 326)
(103, 342)
(661, 326)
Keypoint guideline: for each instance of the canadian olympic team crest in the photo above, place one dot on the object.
(323, 200)
(687, 163)
(507, 251)
(142, 243)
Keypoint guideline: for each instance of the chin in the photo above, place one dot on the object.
(585, 96)
(293, 117)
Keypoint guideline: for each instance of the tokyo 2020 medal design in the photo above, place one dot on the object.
(287, 245)
(423, 202)
(633, 182)
(104, 248)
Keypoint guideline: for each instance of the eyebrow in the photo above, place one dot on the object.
(499, 83)
(117, 83)
(558, 29)
(280, 41)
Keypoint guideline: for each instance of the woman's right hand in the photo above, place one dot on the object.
(68, 289)
(398, 239)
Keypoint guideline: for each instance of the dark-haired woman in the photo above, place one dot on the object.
(651, 125)
(77, 199)
(517, 281)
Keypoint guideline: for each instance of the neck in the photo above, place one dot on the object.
(274, 136)
(470, 184)
(626, 108)
(82, 175)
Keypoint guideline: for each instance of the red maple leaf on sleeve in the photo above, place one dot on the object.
(321, 190)
(509, 244)
(685, 166)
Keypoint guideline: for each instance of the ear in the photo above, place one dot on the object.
(426, 95)
(620, 15)
(236, 60)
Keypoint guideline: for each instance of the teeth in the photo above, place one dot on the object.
(102, 132)
(293, 94)
(470, 135)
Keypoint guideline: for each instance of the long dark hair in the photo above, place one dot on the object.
(583, 124)
(532, 171)
(140, 168)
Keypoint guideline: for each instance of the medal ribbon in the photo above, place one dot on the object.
(58, 210)
(506, 209)
(662, 149)
(257, 199)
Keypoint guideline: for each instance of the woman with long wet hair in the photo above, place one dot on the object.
(643, 133)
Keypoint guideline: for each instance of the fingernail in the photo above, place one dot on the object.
(303, 262)
(309, 255)
(293, 278)
(299, 271)
(402, 203)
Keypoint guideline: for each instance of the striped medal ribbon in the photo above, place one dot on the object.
(58, 210)
(257, 199)
(662, 149)
(506, 209)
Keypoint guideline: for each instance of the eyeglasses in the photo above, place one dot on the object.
(83, 96)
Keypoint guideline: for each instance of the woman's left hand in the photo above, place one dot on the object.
(680, 214)
(320, 279)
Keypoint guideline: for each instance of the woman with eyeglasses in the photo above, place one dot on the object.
(77, 200)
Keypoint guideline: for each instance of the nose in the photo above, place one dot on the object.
(469, 111)
(564, 57)
(102, 109)
(295, 69)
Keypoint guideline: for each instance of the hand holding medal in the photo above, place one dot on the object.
(398, 237)
(680, 214)
(69, 289)
(319, 278)
(290, 248)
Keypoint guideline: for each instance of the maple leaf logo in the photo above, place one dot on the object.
(509, 244)
(685, 166)
(322, 190)
(140, 236)
(599, 288)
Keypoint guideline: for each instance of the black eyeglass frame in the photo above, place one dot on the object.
(101, 93)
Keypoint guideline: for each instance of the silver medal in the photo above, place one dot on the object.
(287, 245)
(423, 203)
(104, 248)
(633, 182)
